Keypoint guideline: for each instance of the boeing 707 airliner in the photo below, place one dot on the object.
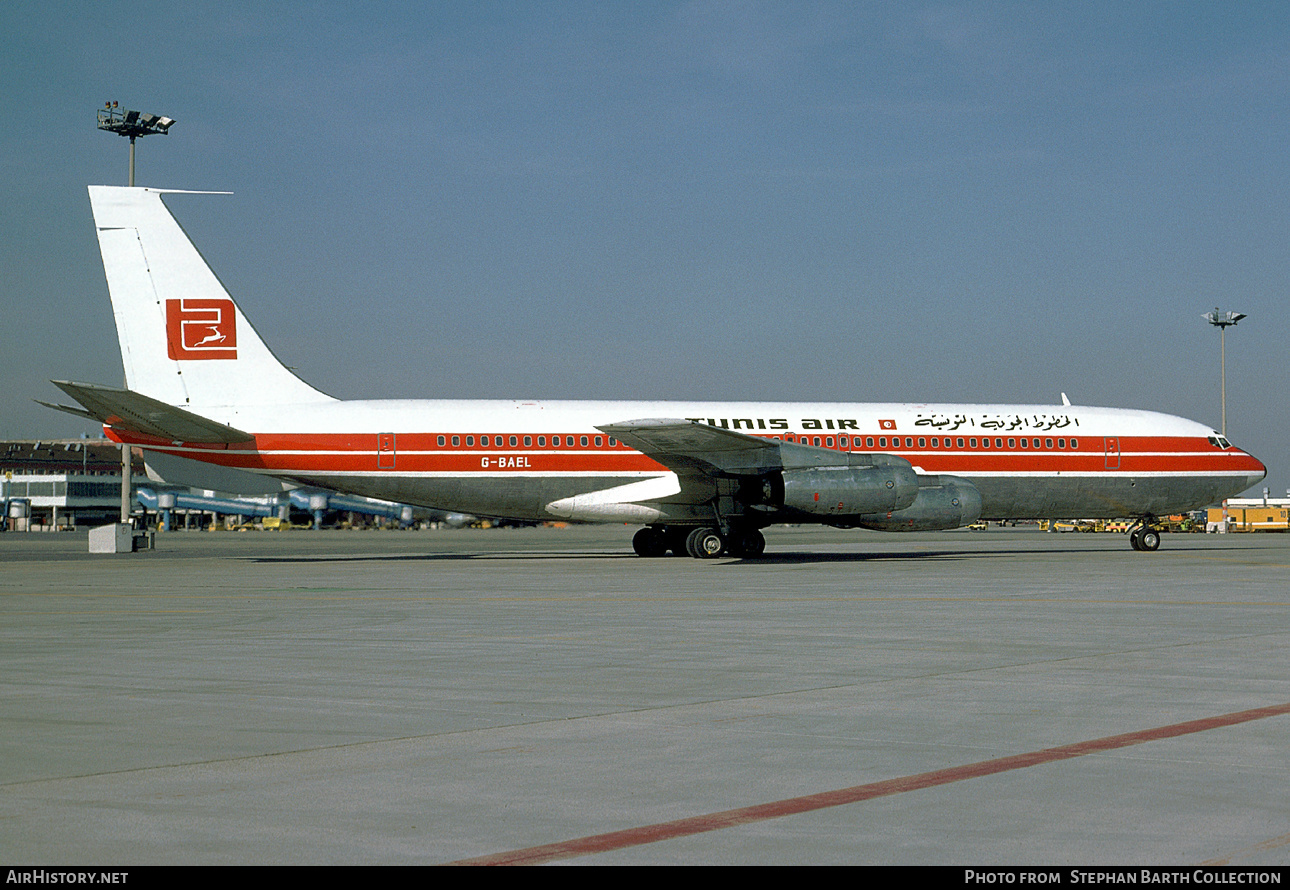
(211, 406)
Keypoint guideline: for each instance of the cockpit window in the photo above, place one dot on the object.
(1219, 442)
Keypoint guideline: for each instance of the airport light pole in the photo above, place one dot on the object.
(132, 124)
(1222, 321)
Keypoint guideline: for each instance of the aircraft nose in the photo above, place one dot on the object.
(1257, 471)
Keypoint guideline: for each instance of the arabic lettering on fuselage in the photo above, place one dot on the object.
(1001, 422)
(938, 422)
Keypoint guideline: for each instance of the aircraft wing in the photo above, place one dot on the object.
(126, 410)
(687, 447)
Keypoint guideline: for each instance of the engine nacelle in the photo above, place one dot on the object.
(943, 502)
(846, 491)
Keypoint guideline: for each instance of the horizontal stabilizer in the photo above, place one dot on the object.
(67, 409)
(123, 409)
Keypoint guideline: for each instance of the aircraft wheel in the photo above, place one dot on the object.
(748, 544)
(735, 546)
(674, 540)
(649, 542)
(705, 543)
(1135, 539)
(1149, 540)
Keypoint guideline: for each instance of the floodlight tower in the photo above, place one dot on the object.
(134, 124)
(115, 119)
(1222, 321)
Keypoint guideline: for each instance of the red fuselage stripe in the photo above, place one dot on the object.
(422, 453)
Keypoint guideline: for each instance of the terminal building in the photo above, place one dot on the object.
(62, 483)
(70, 484)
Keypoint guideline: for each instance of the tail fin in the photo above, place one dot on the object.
(183, 339)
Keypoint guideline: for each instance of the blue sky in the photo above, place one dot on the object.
(990, 202)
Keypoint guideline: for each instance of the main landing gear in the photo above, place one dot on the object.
(1143, 537)
(701, 543)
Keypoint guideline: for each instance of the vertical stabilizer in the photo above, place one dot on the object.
(183, 339)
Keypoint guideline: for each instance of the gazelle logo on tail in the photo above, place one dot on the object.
(201, 329)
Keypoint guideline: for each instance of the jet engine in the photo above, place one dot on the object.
(943, 502)
(843, 491)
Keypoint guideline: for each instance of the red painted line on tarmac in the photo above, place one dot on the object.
(648, 834)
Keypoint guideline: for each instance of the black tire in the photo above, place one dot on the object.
(649, 542)
(674, 540)
(748, 544)
(1149, 540)
(705, 543)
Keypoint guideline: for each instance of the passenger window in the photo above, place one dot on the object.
(868, 443)
(599, 439)
(1036, 443)
(998, 443)
(514, 441)
(882, 443)
(828, 440)
(972, 442)
(456, 441)
(959, 441)
(541, 441)
(1024, 443)
(922, 443)
(528, 441)
(1048, 443)
(584, 441)
(936, 442)
(441, 441)
(842, 442)
(909, 441)
(1074, 443)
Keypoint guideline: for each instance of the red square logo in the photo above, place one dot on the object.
(201, 329)
(886, 424)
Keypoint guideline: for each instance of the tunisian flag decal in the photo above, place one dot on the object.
(201, 329)
(886, 424)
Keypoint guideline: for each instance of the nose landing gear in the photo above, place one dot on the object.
(1143, 537)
